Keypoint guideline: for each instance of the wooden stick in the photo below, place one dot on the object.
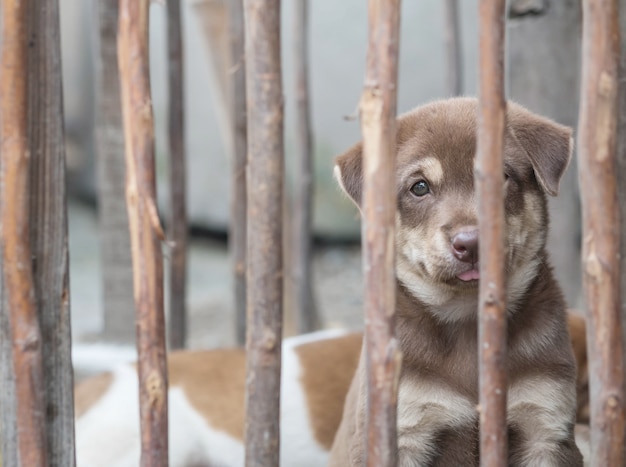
(454, 55)
(48, 222)
(489, 178)
(265, 256)
(145, 230)
(302, 213)
(114, 237)
(620, 170)
(239, 128)
(18, 280)
(178, 205)
(601, 232)
(378, 124)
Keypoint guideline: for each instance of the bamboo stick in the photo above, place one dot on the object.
(601, 230)
(48, 223)
(490, 187)
(239, 134)
(378, 114)
(178, 205)
(302, 214)
(145, 230)
(454, 56)
(18, 281)
(264, 224)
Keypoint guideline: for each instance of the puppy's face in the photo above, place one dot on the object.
(437, 225)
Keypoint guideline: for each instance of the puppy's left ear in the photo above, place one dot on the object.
(549, 146)
(349, 172)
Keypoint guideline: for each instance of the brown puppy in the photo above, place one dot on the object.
(437, 292)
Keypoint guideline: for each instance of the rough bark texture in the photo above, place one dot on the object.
(378, 114)
(178, 206)
(621, 179)
(48, 224)
(117, 278)
(18, 280)
(544, 75)
(490, 188)
(145, 229)
(239, 134)
(454, 59)
(302, 214)
(601, 229)
(264, 258)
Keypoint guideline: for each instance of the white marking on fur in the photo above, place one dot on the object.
(544, 411)
(108, 433)
(425, 408)
(89, 359)
(430, 167)
(298, 445)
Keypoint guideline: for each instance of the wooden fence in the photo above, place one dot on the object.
(36, 403)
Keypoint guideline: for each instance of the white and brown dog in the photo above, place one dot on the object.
(437, 299)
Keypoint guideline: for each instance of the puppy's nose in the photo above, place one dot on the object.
(465, 246)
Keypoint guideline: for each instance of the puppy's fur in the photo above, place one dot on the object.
(437, 294)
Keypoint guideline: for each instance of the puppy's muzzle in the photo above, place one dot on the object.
(465, 246)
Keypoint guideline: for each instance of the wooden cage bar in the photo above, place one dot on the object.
(601, 229)
(177, 228)
(239, 133)
(145, 230)
(489, 178)
(264, 230)
(302, 210)
(378, 123)
(48, 228)
(18, 281)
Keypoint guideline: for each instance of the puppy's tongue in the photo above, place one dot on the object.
(470, 275)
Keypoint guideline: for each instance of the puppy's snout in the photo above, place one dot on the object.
(465, 246)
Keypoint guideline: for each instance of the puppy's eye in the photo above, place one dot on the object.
(420, 188)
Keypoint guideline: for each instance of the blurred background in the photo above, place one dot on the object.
(543, 60)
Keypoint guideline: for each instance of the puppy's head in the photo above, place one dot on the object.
(437, 225)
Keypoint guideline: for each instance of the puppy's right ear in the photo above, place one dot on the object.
(349, 172)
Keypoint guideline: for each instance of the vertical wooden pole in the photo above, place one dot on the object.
(178, 206)
(301, 255)
(378, 124)
(116, 264)
(264, 255)
(621, 179)
(145, 229)
(454, 60)
(48, 226)
(19, 285)
(597, 147)
(489, 170)
(239, 133)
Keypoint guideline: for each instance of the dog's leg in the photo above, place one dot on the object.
(425, 410)
(542, 413)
